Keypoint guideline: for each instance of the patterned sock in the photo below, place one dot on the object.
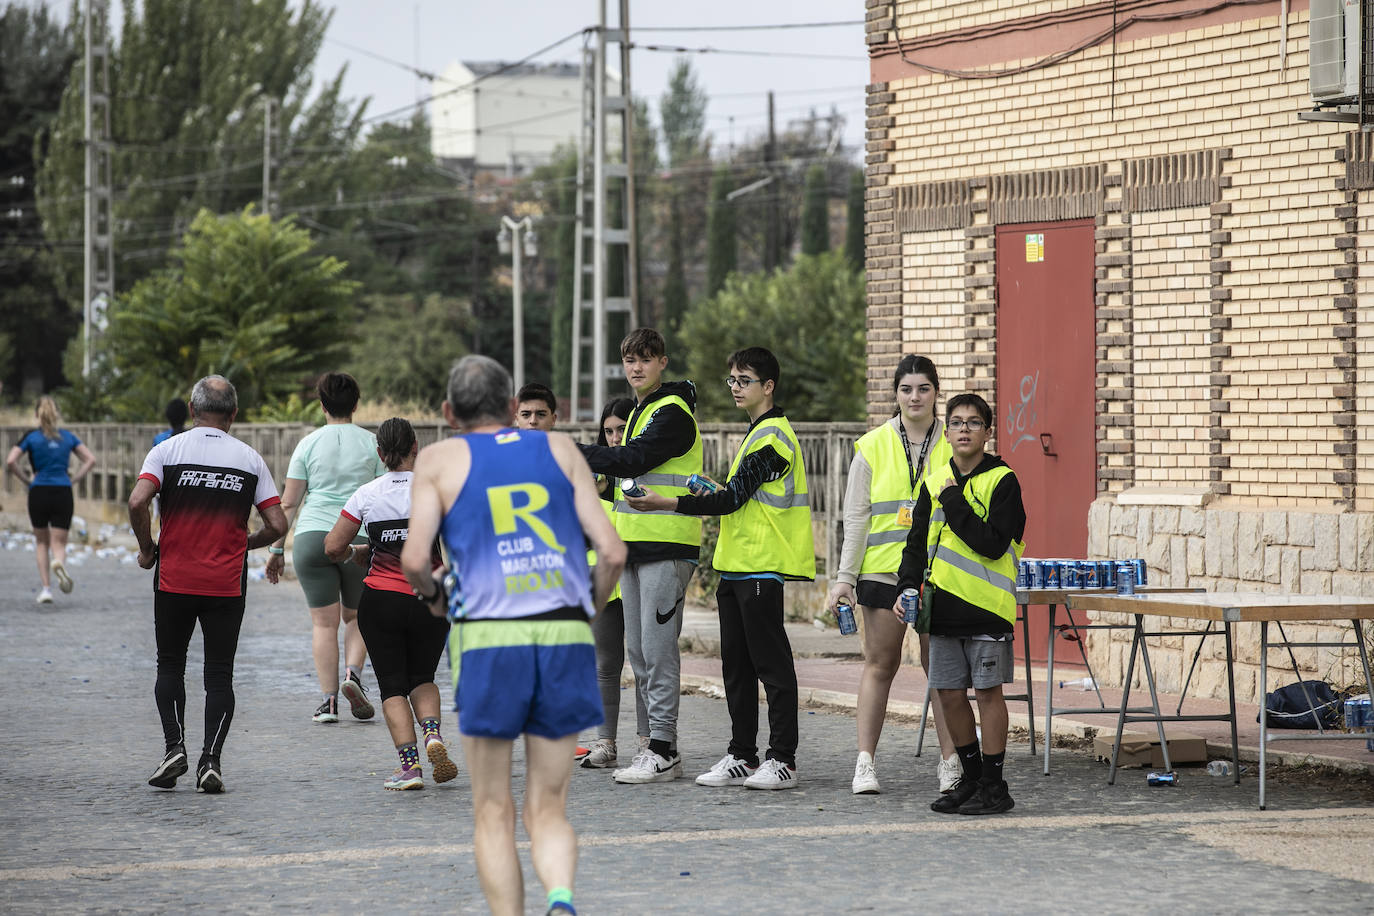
(561, 898)
(429, 727)
(409, 754)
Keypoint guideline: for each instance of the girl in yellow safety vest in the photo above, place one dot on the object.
(884, 480)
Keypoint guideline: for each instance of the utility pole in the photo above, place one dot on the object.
(98, 230)
(517, 239)
(599, 166)
(268, 201)
(772, 231)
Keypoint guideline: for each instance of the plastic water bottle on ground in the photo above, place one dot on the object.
(1219, 768)
(1085, 683)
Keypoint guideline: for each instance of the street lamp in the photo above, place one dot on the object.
(508, 241)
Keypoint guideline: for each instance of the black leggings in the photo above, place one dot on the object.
(174, 617)
(404, 640)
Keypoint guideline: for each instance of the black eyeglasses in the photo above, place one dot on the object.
(741, 383)
(972, 426)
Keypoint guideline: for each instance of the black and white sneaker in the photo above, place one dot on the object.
(356, 694)
(328, 711)
(728, 771)
(208, 779)
(650, 767)
(774, 774)
(172, 766)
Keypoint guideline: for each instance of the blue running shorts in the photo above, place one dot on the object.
(515, 677)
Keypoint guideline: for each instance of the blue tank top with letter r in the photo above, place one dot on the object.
(516, 544)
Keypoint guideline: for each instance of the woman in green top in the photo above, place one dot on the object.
(326, 468)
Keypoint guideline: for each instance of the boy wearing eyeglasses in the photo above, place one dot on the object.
(661, 448)
(963, 551)
(765, 538)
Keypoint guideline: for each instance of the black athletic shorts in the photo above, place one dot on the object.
(50, 507)
(876, 594)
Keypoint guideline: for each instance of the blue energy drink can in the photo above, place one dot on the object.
(629, 487)
(1138, 566)
(911, 605)
(1087, 574)
(1023, 574)
(1049, 571)
(844, 616)
(1068, 574)
(1162, 779)
(1125, 578)
(699, 485)
(1036, 573)
(1106, 574)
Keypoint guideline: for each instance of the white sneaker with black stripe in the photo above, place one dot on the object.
(728, 771)
(650, 767)
(773, 774)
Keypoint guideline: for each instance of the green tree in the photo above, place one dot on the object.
(810, 315)
(722, 251)
(246, 297)
(682, 110)
(854, 221)
(406, 345)
(815, 231)
(36, 54)
(675, 299)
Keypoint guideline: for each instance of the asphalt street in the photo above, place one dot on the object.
(305, 825)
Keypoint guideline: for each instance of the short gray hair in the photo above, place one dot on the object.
(214, 394)
(479, 388)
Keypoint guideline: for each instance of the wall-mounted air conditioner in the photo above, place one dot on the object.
(1334, 51)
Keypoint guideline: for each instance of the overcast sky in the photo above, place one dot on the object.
(508, 30)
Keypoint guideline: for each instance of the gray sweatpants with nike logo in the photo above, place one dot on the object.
(653, 594)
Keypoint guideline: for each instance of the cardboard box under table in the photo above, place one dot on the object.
(1141, 750)
(1228, 609)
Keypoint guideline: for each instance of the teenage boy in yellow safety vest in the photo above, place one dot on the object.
(965, 544)
(661, 448)
(765, 537)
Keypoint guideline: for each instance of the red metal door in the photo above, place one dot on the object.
(1046, 387)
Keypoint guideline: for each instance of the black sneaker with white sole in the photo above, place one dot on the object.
(172, 766)
(951, 801)
(208, 779)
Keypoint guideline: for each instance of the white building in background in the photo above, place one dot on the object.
(508, 123)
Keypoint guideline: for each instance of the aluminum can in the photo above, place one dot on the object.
(698, 485)
(1162, 779)
(1106, 574)
(1068, 574)
(629, 487)
(1125, 578)
(911, 605)
(1087, 574)
(1138, 566)
(1049, 571)
(844, 615)
(1023, 574)
(1036, 570)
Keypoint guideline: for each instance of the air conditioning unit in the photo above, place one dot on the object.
(1334, 51)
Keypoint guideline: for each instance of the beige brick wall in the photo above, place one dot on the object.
(933, 282)
(1170, 351)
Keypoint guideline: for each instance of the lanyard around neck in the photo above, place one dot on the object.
(906, 450)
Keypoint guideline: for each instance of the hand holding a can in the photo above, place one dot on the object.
(651, 501)
(840, 593)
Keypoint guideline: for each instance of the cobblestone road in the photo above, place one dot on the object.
(306, 827)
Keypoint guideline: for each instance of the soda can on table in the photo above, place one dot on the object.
(844, 616)
(1068, 574)
(1125, 578)
(1049, 573)
(1138, 566)
(1106, 574)
(1087, 574)
(1036, 572)
(911, 605)
(1023, 573)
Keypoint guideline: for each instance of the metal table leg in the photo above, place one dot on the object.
(1030, 692)
(1154, 701)
(1049, 690)
(1136, 641)
(1231, 695)
(1263, 705)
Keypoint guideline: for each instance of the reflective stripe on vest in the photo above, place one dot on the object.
(669, 479)
(889, 489)
(956, 567)
(772, 531)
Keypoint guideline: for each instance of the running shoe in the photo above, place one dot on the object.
(953, 800)
(728, 771)
(328, 711)
(172, 766)
(64, 579)
(403, 778)
(208, 779)
(356, 695)
(774, 774)
(949, 772)
(580, 752)
(437, 752)
(601, 755)
(992, 797)
(650, 767)
(45, 596)
(865, 777)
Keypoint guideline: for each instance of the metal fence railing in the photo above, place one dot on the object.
(120, 448)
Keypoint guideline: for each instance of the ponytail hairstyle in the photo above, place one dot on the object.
(919, 365)
(48, 417)
(395, 439)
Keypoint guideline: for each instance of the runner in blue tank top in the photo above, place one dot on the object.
(515, 509)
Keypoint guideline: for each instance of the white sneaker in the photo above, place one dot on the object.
(949, 771)
(600, 754)
(773, 774)
(64, 579)
(45, 596)
(649, 767)
(728, 771)
(865, 777)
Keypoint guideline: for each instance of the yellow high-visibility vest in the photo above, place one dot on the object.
(956, 567)
(772, 531)
(889, 492)
(670, 479)
(591, 554)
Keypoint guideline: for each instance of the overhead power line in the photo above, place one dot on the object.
(749, 28)
(679, 49)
